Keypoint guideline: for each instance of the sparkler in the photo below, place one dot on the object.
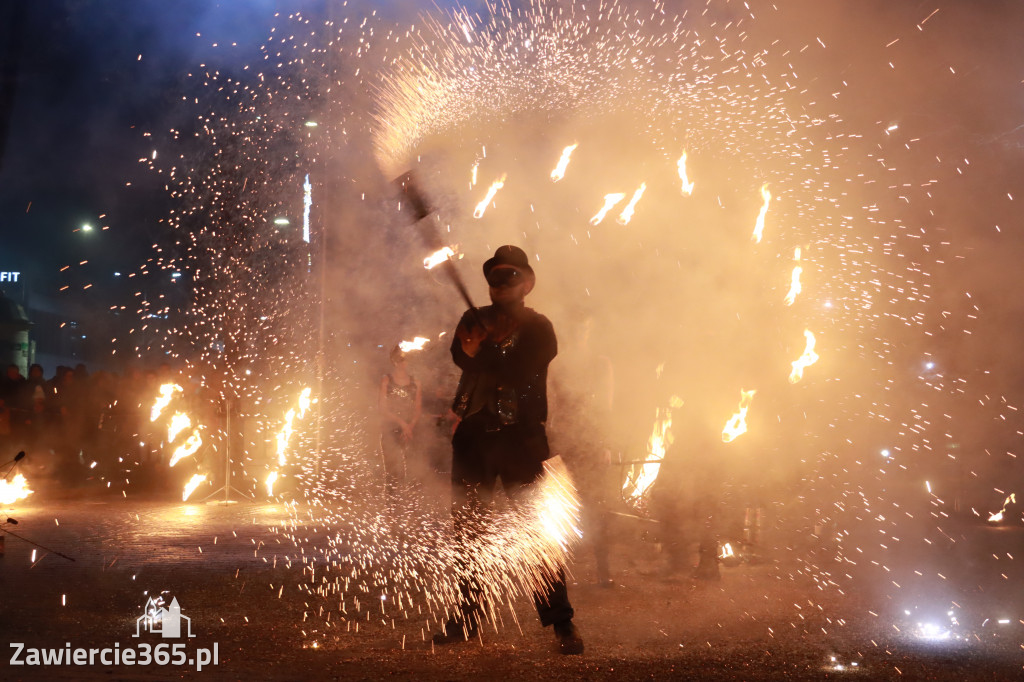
(687, 185)
(737, 424)
(759, 226)
(627, 213)
(478, 212)
(808, 358)
(563, 162)
(609, 203)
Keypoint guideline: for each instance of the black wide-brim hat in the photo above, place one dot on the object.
(509, 255)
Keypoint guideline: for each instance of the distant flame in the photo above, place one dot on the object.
(737, 424)
(627, 213)
(167, 392)
(14, 490)
(806, 360)
(187, 449)
(563, 162)
(438, 257)
(192, 485)
(794, 283)
(609, 203)
(687, 185)
(416, 344)
(759, 226)
(482, 206)
(727, 551)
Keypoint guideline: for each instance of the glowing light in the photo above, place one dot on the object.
(609, 203)
(759, 226)
(14, 490)
(627, 213)
(187, 449)
(478, 212)
(737, 424)
(808, 358)
(563, 162)
(191, 486)
(794, 282)
(687, 185)
(167, 392)
(438, 257)
(416, 344)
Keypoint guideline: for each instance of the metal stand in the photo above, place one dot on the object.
(227, 488)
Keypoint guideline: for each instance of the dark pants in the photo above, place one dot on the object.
(482, 453)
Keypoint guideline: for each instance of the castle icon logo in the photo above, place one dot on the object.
(166, 621)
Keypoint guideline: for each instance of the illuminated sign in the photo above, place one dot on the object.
(9, 276)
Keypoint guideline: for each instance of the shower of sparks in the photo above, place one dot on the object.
(808, 358)
(563, 162)
(191, 486)
(438, 257)
(687, 186)
(167, 392)
(481, 208)
(609, 203)
(416, 344)
(14, 490)
(627, 213)
(794, 283)
(737, 424)
(759, 225)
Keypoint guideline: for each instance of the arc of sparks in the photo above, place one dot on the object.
(609, 203)
(627, 213)
(482, 206)
(759, 226)
(563, 162)
(794, 281)
(737, 424)
(808, 358)
(687, 185)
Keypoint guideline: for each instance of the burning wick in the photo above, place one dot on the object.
(563, 162)
(482, 206)
(609, 203)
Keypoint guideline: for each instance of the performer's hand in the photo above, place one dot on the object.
(471, 339)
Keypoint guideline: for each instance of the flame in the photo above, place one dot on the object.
(284, 435)
(737, 424)
(482, 206)
(994, 518)
(759, 226)
(687, 185)
(179, 422)
(609, 202)
(472, 181)
(270, 482)
(416, 344)
(438, 257)
(657, 444)
(563, 162)
(627, 213)
(167, 392)
(794, 284)
(14, 490)
(727, 551)
(192, 485)
(187, 449)
(304, 401)
(806, 360)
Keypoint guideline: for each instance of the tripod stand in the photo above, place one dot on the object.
(227, 488)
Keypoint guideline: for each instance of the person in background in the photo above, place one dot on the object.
(400, 404)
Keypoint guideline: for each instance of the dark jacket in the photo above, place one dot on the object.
(507, 379)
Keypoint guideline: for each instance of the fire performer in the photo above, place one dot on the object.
(503, 350)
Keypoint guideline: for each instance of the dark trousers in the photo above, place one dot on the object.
(482, 453)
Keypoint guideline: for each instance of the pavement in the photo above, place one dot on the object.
(240, 583)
